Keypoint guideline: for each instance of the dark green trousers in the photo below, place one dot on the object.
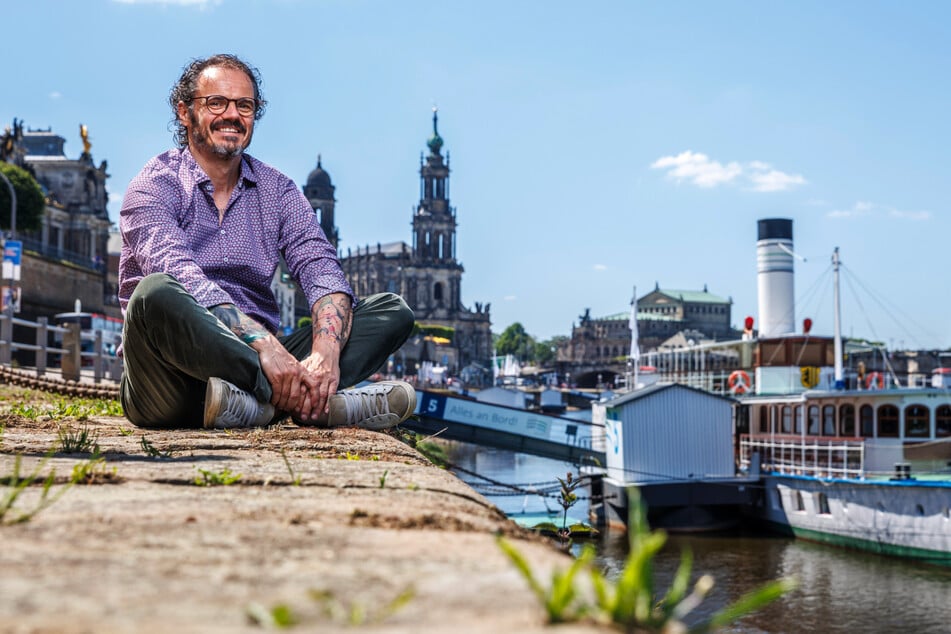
(172, 346)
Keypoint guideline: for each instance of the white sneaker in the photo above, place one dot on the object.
(227, 406)
(376, 406)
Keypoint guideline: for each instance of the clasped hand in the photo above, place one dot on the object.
(301, 388)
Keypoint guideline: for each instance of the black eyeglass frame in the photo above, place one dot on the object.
(237, 104)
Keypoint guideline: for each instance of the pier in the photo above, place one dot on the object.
(524, 431)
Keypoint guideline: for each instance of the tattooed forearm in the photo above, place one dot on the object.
(331, 318)
(246, 329)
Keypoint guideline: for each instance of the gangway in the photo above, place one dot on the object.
(524, 431)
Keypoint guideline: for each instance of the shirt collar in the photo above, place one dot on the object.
(247, 169)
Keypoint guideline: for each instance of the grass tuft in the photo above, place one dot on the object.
(17, 485)
(630, 602)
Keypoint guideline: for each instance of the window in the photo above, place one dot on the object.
(764, 420)
(787, 419)
(847, 420)
(942, 421)
(917, 422)
(437, 292)
(797, 420)
(813, 428)
(888, 421)
(800, 506)
(822, 503)
(867, 421)
(828, 420)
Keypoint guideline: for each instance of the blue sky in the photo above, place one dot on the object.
(594, 146)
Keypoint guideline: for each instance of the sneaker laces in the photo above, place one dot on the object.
(366, 403)
(242, 408)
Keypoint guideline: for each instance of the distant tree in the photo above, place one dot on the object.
(515, 341)
(546, 352)
(30, 200)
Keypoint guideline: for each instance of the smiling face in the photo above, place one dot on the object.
(218, 136)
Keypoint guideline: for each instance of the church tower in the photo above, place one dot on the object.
(320, 193)
(437, 292)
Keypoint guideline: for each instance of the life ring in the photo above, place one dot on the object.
(875, 381)
(739, 382)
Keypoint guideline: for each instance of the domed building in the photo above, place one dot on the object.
(320, 192)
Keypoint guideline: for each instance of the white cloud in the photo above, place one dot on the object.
(910, 215)
(700, 170)
(775, 181)
(600, 267)
(510, 298)
(55, 94)
(865, 208)
(859, 209)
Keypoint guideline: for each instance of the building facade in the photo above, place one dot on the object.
(427, 274)
(67, 258)
(600, 346)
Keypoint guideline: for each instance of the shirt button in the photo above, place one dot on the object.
(222, 232)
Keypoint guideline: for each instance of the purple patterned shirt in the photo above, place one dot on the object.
(169, 224)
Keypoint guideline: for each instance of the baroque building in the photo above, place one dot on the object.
(66, 259)
(665, 318)
(426, 273)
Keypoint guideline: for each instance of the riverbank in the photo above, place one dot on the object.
(329, 526)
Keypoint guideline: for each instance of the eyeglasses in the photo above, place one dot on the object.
(217, 104)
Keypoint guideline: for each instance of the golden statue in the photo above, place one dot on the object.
(84, 133)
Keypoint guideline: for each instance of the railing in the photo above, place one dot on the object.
(806, 455)
(71, 357)
(54, 253)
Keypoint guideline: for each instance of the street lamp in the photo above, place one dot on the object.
(13, 229)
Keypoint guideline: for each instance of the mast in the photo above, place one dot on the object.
(837, 317)
(634, 358)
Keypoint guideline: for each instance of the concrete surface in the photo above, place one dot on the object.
(144, 549)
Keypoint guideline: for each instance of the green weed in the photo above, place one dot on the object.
(433, 452)
(152, 451)
(126, 432)
(630, 602)
(355, 613)
(278, 617)
(80, 409)
(295, 478)
(211, 479)
(17, 485)
(383, 478)
(80, 440)
(26, 411)
(352, 613)
(93, 471)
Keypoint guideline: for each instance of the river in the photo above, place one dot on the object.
(839, 591)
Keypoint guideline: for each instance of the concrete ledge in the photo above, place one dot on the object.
(149, 551)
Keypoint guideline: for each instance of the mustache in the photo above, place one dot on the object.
(233, 123)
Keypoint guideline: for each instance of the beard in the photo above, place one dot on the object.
(229, 149)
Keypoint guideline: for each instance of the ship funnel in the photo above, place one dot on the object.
(774, 277)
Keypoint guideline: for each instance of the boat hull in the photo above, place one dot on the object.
(903, 518)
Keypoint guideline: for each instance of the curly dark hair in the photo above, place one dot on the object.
(184, 89)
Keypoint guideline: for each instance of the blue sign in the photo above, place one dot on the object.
(12, 251)
(12, 255)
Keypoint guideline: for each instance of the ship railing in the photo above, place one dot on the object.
(816, 456)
